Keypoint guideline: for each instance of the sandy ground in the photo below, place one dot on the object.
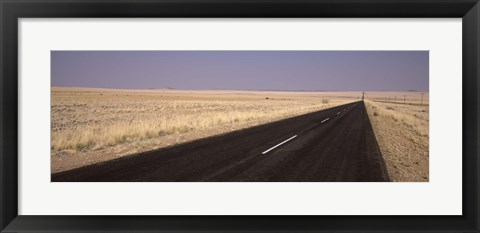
(402, 134)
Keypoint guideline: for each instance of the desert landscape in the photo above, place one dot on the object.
(91, 125)
(239, 116)
(402, 132)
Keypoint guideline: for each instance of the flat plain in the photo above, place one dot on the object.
(402, 132)
(92, 125)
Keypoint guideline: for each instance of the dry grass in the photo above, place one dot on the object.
(402, 133)
(88, 122)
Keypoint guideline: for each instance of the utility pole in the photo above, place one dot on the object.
(404, 98)
(363, 95)
(421, 100)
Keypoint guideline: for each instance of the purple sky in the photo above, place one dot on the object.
(243, 70)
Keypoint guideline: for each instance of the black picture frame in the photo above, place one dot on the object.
(11, 11)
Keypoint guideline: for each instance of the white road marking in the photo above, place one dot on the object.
(281, 143)
(325, 120)
(338, 113)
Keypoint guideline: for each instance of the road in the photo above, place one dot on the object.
(332, 145)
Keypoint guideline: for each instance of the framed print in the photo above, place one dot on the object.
(252, 116)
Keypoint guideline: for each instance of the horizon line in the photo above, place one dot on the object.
(271, 90)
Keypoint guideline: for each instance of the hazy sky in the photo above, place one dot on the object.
(243, 70)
